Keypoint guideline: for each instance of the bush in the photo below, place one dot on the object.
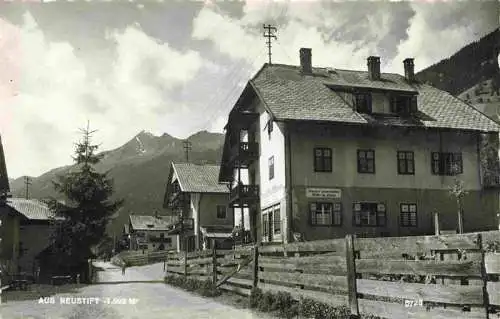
(283, 302)
(255, 297)
(287, 307)
(205, 288)
(267, 304)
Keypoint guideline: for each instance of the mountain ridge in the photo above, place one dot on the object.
(139, 169)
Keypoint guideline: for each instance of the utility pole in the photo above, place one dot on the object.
(269, 35)
(187, 148)
(27, 183)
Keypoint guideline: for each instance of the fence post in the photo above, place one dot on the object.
(484, 276)
(351, 276)
(214, 262)
(436, 223)
(185, 261)
(255, 266)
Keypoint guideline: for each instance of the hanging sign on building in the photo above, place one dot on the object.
(334, 193)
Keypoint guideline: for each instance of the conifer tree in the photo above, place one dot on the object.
(87, 207)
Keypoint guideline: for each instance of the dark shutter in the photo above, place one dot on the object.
(413, 104)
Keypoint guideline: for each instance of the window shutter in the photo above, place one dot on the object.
(369, 103)
(311, 209)
(413, 104)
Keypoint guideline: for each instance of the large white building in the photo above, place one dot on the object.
(316, 153)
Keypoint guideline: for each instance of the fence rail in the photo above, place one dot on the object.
(446, 276)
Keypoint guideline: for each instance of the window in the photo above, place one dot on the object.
(369, 214)
(404, 104)
(265, 225)
(446, 163)
(221, 211)
(363, 102)
(406, 163)
(277, 221)
(322, 159)
(271, 167)
(327, 214)
(408, 215)
(366, 161)
(162, 235)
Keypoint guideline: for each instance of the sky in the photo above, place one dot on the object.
(179, 66)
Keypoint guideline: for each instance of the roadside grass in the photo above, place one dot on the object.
(36, 291)
(280, 304)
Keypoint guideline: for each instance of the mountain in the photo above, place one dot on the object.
(139, 168)
(472, 74)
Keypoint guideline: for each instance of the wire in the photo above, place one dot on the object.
(239, 76)
(232, 75)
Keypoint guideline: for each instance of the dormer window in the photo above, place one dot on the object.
(363, 102)
(404, 104)
(150, 225)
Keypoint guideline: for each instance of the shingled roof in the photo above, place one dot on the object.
(290, 95)
(31, 209)
(195, 178)
(141, 222)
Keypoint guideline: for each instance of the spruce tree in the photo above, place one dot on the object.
(86, 210)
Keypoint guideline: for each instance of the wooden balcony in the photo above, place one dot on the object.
(165, 240)
(177, 227)
(244, 153)
(177, 200)
(242, 120)
(244, 195)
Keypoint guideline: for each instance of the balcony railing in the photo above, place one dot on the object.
(177, 199)
(166, 240)
(188, 226)
(243, 153)
(244, 195)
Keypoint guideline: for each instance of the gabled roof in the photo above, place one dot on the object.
(31, 209)
(195, 178)
(141, 222)
(289, 95)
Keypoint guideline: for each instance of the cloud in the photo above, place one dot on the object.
(47, 92)
(438, 30)
(342, 35)
(390, 30)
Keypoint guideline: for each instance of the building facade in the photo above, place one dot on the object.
(194, 194)
(150, 233)
(27, 226)
(316, 153)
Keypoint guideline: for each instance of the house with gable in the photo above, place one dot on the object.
(150, 233)
(194, 194)
(27, 226)
(316, 153)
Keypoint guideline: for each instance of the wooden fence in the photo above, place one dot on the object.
(137, 258)
(447, 276)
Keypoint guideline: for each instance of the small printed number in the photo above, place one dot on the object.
(414, 303)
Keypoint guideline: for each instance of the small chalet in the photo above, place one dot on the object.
(193, 193)
(150, 233)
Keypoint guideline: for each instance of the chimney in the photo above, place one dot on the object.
(409, 70)
(374, 68)
(305, 60)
